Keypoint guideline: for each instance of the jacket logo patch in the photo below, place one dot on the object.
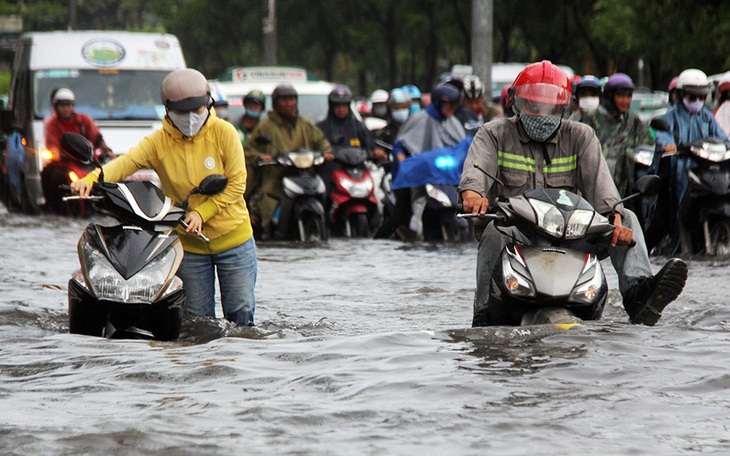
(209, 163)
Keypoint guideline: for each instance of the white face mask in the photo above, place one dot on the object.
(588, 104)
(189, 123)
(401, 115)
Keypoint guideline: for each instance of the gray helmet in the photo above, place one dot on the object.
(185, 90)
(341, 94)
(283, 90)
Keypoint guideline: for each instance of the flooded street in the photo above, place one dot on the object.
(362, 348)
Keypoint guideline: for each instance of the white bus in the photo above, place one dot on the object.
(116, 78)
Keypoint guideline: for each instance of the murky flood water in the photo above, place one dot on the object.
(361, 347)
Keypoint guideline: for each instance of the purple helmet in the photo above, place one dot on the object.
(618, 81)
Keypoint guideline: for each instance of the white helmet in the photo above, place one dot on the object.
(473, 86)
(379, 96)
(62, 94)
(694, 82)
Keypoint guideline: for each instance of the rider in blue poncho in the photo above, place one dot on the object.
(689, 120)
(429, 129)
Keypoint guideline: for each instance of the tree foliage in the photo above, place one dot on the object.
(371, 44)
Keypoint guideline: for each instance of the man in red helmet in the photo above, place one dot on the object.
(539, 148)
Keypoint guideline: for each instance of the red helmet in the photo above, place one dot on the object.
(673, 83)
(724, 85)
(541, 88)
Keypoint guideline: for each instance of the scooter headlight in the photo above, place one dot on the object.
(302, 160)
(356, 189)
(514, 282)
(578, 224)
(549, 218)
(155, 280)
(438, 195)
(644, 156)
(588, 286)
(714, 152)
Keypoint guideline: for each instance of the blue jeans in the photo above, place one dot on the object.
(236, 270)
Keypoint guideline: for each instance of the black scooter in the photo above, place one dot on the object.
(300, 215)
(127, 287)
(550, 279)
(704, 212)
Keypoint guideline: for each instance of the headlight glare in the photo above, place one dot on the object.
(549, 218)
(145, 286)
(578, 224)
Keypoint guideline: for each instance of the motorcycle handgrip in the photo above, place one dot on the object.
(491, 216)
(64, 188)
(201, 235)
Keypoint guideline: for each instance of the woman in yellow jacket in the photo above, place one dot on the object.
(192, 144)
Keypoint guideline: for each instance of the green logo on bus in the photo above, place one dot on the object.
(103, 52)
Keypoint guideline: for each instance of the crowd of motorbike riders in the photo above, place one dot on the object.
(350, 153)
(315, 173)
(457, 107)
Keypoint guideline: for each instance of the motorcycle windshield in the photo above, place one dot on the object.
(141, 201)
(128, 248)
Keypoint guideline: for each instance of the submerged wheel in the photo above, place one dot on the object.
(27, 204)
(359, 225)
(312, 228)
(720, 237)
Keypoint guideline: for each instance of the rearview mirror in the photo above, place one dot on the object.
(659, 124)
(263, 140)
(648, 185)
(78, 147)
(211, 185)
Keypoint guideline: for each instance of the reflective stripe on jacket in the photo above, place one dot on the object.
(570, 159)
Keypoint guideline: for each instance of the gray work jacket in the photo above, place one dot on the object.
(576, 163)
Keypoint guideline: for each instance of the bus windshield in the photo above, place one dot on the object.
(103, 94)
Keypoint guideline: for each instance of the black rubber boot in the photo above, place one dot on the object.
(645, 300)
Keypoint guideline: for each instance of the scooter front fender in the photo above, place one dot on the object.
(554, 270)
(308, 204)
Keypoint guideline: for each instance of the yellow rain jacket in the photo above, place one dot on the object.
(181, 163)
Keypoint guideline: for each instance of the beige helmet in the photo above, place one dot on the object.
(185, 90)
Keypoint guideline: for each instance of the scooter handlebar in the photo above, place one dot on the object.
(201, 235)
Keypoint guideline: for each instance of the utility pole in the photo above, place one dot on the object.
(481, 42)
(269, 29)
(72, 21)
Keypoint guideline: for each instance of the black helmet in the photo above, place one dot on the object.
(341, 94)
(283, 90)
(445, 93)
